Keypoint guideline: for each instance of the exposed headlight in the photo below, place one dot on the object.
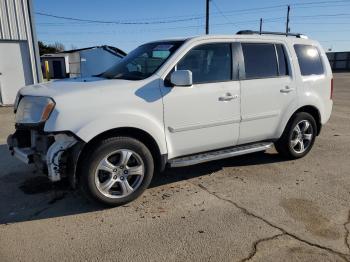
(34, 109)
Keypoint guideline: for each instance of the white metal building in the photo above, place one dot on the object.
(82, 62)
(19, 52)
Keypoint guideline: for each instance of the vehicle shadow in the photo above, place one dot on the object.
(172, 175)
(26, 195)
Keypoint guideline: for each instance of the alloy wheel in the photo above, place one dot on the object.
(119, 173)
(301, 136)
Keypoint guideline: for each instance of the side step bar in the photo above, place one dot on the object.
(219, 154)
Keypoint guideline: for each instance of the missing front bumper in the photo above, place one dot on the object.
(48, 151)
(24, 154)
(56, 163)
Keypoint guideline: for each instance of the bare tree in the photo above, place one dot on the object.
(58, 46)
(50, 48)
(73, 47)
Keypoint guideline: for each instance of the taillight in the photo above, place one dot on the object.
(331, 89)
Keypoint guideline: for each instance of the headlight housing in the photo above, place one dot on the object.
(34, 109)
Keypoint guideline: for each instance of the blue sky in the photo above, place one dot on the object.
(326, 21)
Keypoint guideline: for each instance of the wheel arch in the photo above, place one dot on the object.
(139, 134)
(312, 110)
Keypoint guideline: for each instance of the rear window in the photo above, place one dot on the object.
(260, 60)
(309, 59)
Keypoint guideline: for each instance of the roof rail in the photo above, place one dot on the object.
(251, 32)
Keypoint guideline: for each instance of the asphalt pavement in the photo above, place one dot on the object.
(257, 207)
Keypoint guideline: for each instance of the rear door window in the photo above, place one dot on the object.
(309, 59)
(260, 60)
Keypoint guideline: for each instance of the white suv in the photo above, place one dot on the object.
(175, 102)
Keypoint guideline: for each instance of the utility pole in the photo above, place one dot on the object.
(207, 18)
(287, 24)
(261, 22)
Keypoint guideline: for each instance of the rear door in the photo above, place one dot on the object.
(267, 90)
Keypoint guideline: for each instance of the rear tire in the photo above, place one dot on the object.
(298, 136)
(116, 171)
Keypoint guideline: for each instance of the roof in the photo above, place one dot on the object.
(54, 55)
(239, 36)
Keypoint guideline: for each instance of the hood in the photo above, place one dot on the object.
(69, 86)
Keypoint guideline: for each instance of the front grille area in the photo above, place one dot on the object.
(34, 139)
(22, 138)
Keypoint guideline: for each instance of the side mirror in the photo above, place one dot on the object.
(181, 78)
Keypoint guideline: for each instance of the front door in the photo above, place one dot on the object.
(206, 115)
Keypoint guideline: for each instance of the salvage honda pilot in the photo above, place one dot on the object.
(175, 103)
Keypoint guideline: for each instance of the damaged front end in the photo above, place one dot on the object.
(55, 154)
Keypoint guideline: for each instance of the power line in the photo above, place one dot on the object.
(320, 2)
(220, 12)
(285, 5)
(299, 19)
(322, 15)
(267, 20)
(191, 17)
(117, 22)
(328, 23)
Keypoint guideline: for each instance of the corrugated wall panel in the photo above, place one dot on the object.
(12, 19)
(4, 20)
(13, 24)
(1, 34)
(20, 18)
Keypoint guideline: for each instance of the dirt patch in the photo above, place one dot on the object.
(310, 215)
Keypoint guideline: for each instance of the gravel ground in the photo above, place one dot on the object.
(257, 207)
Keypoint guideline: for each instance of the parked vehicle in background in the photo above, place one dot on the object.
(175, 102)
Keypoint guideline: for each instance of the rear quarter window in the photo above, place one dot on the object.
(309, 59)
(282, 60)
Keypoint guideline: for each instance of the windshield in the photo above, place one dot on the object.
(143, 61)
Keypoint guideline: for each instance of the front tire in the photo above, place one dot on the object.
(117, 170)
(298, 137)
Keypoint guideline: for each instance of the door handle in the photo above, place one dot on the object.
(227, 97)
(287, 89)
